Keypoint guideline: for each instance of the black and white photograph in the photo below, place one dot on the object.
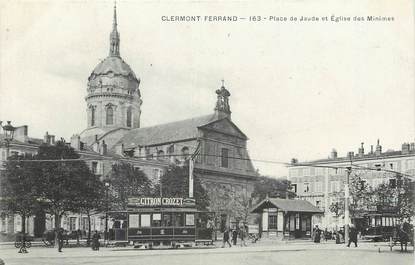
(207, 132)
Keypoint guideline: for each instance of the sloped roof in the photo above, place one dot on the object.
(164, 133)
(286, 205)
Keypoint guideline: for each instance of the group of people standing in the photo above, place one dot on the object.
(338, 235)
(61, 237)
(233, 234)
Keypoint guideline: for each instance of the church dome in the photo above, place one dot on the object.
(113, 65)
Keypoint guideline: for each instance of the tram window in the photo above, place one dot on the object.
(179, 219)
(156, 220)
(190, 219)
(145, 220)
(134, 220)
(167, 219)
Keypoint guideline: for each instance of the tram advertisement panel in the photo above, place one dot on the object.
(160, 201)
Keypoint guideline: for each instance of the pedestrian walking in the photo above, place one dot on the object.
(95, 241)
(352, 236)
(326, 234)
(226, 238)
(242, 235)
(78, 236)
(60, 238)
(234, 236)
(403, 233)
(317, 234)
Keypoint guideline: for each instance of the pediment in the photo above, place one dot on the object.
(225, 126)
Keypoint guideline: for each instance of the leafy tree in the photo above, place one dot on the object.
(360, 197)
(127, 181)
(92, 199)
(61, 183)
(272, 187)
(19, 189)
(175, 183)
(398, 198)
(363, 198)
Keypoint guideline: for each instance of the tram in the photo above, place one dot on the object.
(150, 222)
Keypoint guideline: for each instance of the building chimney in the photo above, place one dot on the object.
(361, 150)
(46, 138)
(333, 154)
(405, 148)
(350, 155)
(76, 142)
(378, 148)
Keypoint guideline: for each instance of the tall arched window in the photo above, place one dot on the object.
(110, 115)
(129, 116)
(185, 152)
(92, 116)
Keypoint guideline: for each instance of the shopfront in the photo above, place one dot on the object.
(285, 219)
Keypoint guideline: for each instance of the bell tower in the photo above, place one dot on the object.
(222, 108)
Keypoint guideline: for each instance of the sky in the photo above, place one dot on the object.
(298, 89)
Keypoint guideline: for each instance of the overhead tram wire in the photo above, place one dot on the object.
(139, 159)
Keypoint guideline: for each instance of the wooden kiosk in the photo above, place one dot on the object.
(285, 218)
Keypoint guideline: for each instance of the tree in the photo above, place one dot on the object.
(19, 189)
(61, 183)
(360, 197)
(398, 198)
(127, 181)
(272, 187)
(92, 198)
(175, 183)
(406, 199)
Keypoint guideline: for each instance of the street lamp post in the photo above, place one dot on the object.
(8, 131)
(346, 205)
(107, 185)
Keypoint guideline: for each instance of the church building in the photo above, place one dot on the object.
(113, 108)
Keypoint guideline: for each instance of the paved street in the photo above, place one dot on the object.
(275, 254)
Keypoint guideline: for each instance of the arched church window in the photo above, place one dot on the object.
(92, 116)
(129, 117)
(160, 155)
(185, 152)
(110, 115)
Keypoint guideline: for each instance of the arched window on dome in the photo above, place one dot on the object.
(129, 117)
(92, 116)
(110, 115)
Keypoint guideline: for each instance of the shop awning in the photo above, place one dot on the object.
(286, 205)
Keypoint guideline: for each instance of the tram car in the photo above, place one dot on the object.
(151, 222)
(382, 227)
